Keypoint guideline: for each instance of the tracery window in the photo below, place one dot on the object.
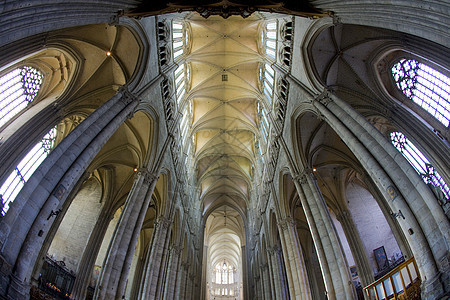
(425, 86)
(17, 179)
(18, 88)
(419, 162)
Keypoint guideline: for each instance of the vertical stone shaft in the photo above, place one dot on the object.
(295, 264)
(90, 253)
(316, 233)
(339, 261)
(43, 198)
(121, 249)
(418, 243)
(154, 258)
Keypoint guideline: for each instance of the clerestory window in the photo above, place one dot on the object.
(17, 179)
(180, 39)
(18, 89)
(263, 122)
(181, 77)
(270, 39)
(419, 162)
(425, 86)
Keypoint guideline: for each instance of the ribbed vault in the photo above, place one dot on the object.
(224, 90)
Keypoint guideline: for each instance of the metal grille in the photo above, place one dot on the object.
(18, 88)
(419, 162)
(17, 179)
(425, 86)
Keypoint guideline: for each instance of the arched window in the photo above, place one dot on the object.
(17, 179)
(425, 86)
(270, 39)
(180, 39)
(181, 77)
(263, 122)
(419, 162)
(18, 88)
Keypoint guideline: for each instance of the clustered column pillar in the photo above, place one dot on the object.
(294, 261)
(49, 186)
(365, 272)
(87, 262)
(181, 280)
(425, 224)
(112, 281)
(172, 272)
(334, 268)
(276, 276)
(153, 261)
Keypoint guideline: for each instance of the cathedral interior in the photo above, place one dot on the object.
(224, 150)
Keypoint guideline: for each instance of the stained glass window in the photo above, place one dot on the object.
(425, 86)
(18, 88)
(17, 179)
(419, 162)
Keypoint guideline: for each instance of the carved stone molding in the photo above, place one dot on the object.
(286, 223)
(324, 98)
(147, 175)
(127, 96)
(163, 221)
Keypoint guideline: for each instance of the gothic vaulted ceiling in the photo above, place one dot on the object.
(224, 91)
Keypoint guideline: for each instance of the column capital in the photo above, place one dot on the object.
(343, 215)
(176, 249)
(270, 251)
(286, 223)
(325, 97)
(148, 176)
(163, 221)
(127, 96)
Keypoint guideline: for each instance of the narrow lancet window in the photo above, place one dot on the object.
(18, 88)
(17, 179)
(425, 86)
(179, 39)
(419, 162)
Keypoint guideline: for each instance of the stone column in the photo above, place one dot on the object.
(172, 272)
(154, 259)
(181, 281)
(90, 253)
(321, 241)
(49, 186)
(112, 280)
(189, 286)
(259, 287)
(365, 272)
(424, 224)
(266, 281)
(335, 254)
(294, 261)
(278, 256)
(276, 276)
